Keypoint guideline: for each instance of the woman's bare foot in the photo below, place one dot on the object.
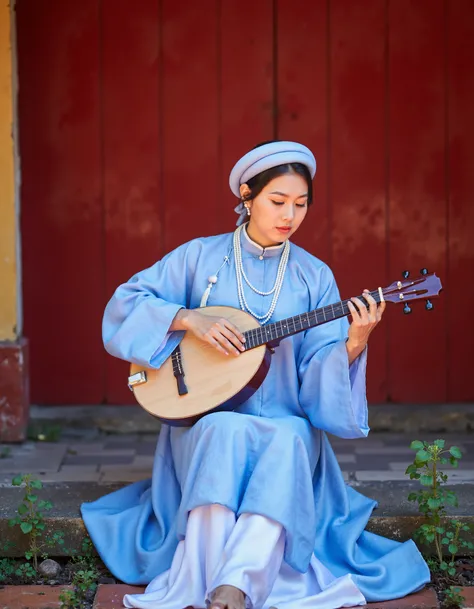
(227, 597)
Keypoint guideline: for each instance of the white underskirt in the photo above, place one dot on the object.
(246, 553)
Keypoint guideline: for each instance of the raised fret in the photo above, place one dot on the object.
(281, 332)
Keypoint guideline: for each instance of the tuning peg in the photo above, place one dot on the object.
(429, 305)
(407, 309)
(406, 274)
(424, 271)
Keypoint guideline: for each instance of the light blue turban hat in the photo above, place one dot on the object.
(265, 157)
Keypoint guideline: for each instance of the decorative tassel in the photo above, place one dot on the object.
(212, 280)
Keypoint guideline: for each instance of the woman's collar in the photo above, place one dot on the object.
(257, 250)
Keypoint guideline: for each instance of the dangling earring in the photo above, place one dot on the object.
(247, 207)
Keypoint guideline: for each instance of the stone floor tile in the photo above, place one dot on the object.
(463, 466)
(76, 475)
(109, 596)
(113, 467)
(379, 462)
(346, 458)
(31, 597)
(117, 443)
(82, 468)
(100, 454)
(383, 450)
(102, 459)
(398, 466)
(29, 465)
(375, 475)
(118, 467)
(143, 461)
(370, 440)
(47, 459)
(460, 475)
(146, 448)
(123, 476)
(27, 448)
(85, 448)
(47, 447)
(90, 434)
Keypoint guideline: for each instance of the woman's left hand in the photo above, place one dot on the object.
(363, 322)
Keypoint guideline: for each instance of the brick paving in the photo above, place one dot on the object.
(109, 596)
(31, 597)
(106, 458)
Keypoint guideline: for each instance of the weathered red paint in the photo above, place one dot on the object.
(459, 294)
(302, 103)
(417, 192)
(245, 91)
(190, 117)
(130, 121)
(61, 199)
(358, 198)
(14, 391)
(133, 208)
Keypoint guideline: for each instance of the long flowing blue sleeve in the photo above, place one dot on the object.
(136, 320)
(332, 393)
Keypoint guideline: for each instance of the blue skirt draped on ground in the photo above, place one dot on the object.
(272, 457)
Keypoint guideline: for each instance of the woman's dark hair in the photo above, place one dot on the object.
(258, 182)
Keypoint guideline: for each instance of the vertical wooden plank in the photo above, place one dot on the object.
(358, 166)
(130, 132)
(417, 193)
(245, 90)
(61, 217)
(301, 79)
(459, 294)
(190, 119)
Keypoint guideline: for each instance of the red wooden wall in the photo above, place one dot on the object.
(132, 114)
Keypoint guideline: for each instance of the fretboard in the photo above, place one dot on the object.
(292, 325)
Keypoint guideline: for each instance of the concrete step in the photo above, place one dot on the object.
(395, 518)
(393, 418)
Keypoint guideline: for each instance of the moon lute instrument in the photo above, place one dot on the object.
(197, 379)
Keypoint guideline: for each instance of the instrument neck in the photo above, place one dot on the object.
(274, 332)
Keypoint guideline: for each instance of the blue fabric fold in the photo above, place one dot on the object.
(272, 456)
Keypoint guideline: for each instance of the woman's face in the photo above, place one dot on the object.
(279, 209)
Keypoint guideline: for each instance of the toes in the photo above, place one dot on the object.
(217, 605)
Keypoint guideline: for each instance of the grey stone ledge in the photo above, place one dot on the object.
(393, 418)
(395, 516)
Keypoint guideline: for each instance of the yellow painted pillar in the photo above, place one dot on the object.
(14, 399)
(8, 214)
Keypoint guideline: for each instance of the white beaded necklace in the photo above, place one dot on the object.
(240, 273)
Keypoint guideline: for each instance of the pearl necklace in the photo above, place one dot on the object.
(240, 273)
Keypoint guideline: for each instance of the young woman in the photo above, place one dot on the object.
(249, 508)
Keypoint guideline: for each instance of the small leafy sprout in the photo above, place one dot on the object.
(30, 516)
(438, 530)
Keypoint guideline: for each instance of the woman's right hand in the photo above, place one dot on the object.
(216, 331)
